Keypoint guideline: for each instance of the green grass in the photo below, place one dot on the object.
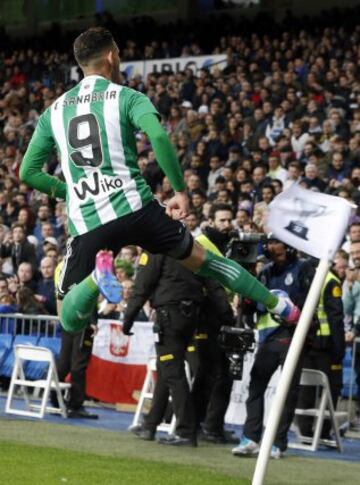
(41, 453)
(31, 465)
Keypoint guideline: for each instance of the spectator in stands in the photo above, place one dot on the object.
(351, 299)
(312, 179)
(193, 223)
(45, 286)
(43, 215)
(341, 264)
(18, 248)
(353, 236)
(4, 289)
(276, 171)
(27, 302)
(124, 269)
(25, 276)
(294, 174)
(259, 179)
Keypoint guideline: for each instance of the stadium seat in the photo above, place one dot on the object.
(324, 409)
(22, 355)
(5, 346)
(36, 369)
(8, 364)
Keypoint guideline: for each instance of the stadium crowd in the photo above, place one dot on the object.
(285, 109)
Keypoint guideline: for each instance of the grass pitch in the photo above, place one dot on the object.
(40, 453)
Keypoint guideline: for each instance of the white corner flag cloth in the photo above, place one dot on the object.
(311, 222)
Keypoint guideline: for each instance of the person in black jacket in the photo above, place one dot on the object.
(326, 352)
(176, 294)
(213, 382)
(293, 275)
(19, 248)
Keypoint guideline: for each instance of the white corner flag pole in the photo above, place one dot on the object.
(288, 370)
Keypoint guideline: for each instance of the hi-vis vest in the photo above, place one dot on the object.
(207, 244)
(324, 327)
(266, 325)
(288, 281)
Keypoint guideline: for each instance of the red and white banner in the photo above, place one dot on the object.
(118, 367)
(118, 364)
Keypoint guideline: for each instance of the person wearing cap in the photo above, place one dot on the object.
(186, 105)
(50, 241)
(289, 273)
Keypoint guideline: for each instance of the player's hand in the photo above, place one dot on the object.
(178, 206)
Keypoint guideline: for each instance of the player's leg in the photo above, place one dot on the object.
(237, 279)
(80, 284)
(161, 234)
(229, 273)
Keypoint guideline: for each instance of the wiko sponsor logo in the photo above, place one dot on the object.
(95, 184)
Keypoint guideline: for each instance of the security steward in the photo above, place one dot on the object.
(214, 377)
(288, 273)
(326, 351)
(176, 294)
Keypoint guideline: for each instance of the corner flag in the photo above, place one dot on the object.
(311, 222)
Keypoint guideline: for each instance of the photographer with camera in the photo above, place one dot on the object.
(291, 275)
(214, 363)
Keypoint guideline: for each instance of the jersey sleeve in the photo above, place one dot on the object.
(42, 137)
(138, 106)
(36, 155)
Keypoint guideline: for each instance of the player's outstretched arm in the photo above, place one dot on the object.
(178, 206)
(32, 175)
(40, 146)
(163, 149)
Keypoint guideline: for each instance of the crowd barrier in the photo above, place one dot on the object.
(117, 367)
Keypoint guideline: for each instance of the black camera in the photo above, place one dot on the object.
(243, 246)
(236, 342)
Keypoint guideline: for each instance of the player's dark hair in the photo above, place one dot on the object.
(91, 43)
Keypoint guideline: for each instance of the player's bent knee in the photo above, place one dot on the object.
(184, 249)
(196, 258)
(70, 319)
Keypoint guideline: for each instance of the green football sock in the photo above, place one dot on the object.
(234, 277)
(78, 305)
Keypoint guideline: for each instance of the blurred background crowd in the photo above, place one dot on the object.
(285, 109)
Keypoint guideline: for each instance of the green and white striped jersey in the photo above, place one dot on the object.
(93, 128)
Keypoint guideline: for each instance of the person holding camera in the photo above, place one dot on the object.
(292, 275)
(351, 300)
(214, 373)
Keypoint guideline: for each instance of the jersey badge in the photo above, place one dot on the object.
(289, 280)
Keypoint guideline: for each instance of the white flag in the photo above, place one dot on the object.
(311, 222)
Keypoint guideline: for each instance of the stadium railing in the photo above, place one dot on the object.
(23, 324)
(39, 330)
